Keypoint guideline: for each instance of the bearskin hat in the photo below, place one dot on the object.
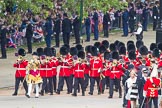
(130, 41)
(40, 51)
(139, 43)
(122, 50)
(131, 46)
(105, 43)
(153, 46)
(81, 54)
(160, 46)
(156, 53)
(21, 52)
(112, 47)
(102, 49)
(53, 51)
(47, 51)
(88, 49)
(132, 55)
(97, 44)
(121, 44)
(94, 51)
(63, 50)
(116, 43)
(67, 46)
(73, 51)
(115, 55)
(143, 50)
(79, 47)
(107, 55)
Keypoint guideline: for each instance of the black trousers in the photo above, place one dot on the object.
(57, 40)
(104, 82)
(112, 82)
(54, 82)
(131, 25)
(149, 101)
(17, 82)
(155, 21)
(105, 29)
(3, 49)
(78, 81)
(92, 83)
(29, 45)
(77, 36)
(71, 83)
(139, 37)
(47, 83)
(86, 81)
(61, 83)
(66, 38)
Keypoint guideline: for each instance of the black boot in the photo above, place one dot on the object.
(74, 94)
(14, 94)
(83, 93)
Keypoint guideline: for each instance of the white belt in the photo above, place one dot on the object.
(115, 71)
(79, 70)
(21, 68)
(45, 69)
(54, 67)
(64, 66)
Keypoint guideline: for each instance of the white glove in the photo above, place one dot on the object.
(99, 70)
(154, 17)
(134, 18)
(144, 93)
(108, 22)
(27, 72)
(54, 33)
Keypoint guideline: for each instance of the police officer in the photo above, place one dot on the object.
(132, 15)
(3, 41)
(145, 17)
(88, 24)
(76, 25)
(66, 29)
(155, 15)
(125, 18)
(106, 22)
(57, 25)
(29, 35)
(95, 19)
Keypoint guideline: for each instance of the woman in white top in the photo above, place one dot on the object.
(132, 94)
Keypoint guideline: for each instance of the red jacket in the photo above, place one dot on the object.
(54, 63)
(65, 67)
(106, 69)
(116, 72)
(20, 68)
(79, 70)
(86, 69)
(42, 70)
(95, 65)
(151, 88)
(48, 69)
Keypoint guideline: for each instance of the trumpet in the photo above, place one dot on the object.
(20, 59)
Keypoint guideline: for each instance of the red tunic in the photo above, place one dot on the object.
(95, 65)
(79, 70)
(20, 68)
(65, 67)
(116, 72)
(54, 63)
(151, 88)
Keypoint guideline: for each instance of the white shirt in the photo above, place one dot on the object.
(139, 30)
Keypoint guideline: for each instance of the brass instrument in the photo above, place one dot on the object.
(20, 59)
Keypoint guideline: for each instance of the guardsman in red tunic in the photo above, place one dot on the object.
(20, 74)
(115, 74)
(47, 79)
(54, 63)
(95, 68)
(79, 73)
(64, 73)
(151, 87)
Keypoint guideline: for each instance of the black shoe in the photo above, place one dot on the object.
(68, 92)
(116, 90)
(74, 94)
(51, 93)
(41, 93)
(87, 41)
(120, 96)
(99, 93)
(95, 39)
(90, 93)
(27, 96)
(102, 91)
(36, 97)
(58, 92)
(107, 87)
(14, 94)
(110, 97)
(83, 94)
(74, 43)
